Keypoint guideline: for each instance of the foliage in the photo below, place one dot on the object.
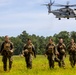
(40, 67)
(39, 42)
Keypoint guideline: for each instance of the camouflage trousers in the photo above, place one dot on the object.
(61, 63)
(72, 59)
(4, 60)
(28, 60)
(51, 60)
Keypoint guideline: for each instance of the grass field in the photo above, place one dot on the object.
(40, 67)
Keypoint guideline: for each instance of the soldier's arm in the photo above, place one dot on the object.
(24, 48)
(12, 47)
(57, 47)
(2, 46)
(55, 50)
(46, 49)
(65, 49)
(33, 49)
(64, 46)
(69, 49)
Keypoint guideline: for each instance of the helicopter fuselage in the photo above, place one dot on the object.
(64, 13)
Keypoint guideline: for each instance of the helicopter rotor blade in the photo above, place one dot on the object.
(59, 5)
(49, 4)
(45, 4)
(74, 5)
(68, 2)
(52, 2)
(65, 5)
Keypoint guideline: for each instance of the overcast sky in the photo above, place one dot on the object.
(19, 15)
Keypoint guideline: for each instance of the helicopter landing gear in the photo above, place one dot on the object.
(59, 18)
(67, 17)
(75, 17)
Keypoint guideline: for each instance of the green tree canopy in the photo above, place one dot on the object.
(39, 42)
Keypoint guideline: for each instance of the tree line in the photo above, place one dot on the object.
(39, 42)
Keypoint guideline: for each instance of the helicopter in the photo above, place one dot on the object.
(65, 12)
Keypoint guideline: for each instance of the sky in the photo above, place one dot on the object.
(29, 15)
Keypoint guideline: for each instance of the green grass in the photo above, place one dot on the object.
(40, 67)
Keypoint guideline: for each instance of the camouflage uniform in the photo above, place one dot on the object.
(29, 51)
(7, 52)
(50, 52)
(72, 53)
(61, 50)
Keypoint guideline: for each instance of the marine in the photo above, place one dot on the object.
(29, 52)
(72, 52)
(7, 49)
(50, 52)
(61, 48)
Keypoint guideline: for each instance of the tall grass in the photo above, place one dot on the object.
(40, 67)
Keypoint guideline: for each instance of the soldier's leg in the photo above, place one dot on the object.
(59, 62)
(49, 60)
(30, 64)
(53, 59)
(52, 63)
(71, 60)
(10, 62)
(56, 59)
(30, 61)
(4, 59)
(26, 60)
(63, 63)
(74, 62)
(74, 58)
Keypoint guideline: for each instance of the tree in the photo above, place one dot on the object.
(73, 35)
(39, 42)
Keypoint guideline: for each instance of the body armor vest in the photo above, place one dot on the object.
(29, 48)
(51, 49)
(7, 46)
(73, 47)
